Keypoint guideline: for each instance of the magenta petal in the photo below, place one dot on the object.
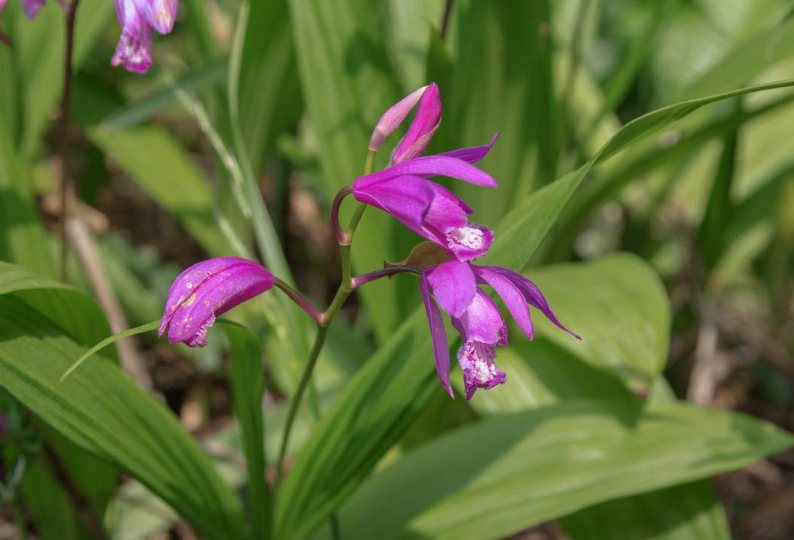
(206, 290)
(422, 129)
(159, 14)
(453, 285)
(406, 198)
(393, 117)
(513, 296)
(472, 154)
(439, 336)
(32, 7)
(435, 166)
(482, 321)
(134, 49)
(532, 294)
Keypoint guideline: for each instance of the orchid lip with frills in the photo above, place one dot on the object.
(205, 291)
(453, 284)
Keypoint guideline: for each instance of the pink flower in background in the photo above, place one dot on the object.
(137, 18)
(205, 291)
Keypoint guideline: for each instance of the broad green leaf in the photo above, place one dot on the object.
(593, 295)
(164, 170)
(248, 386)
(346, 82)
(99, 408)
(686, 512)
(506, 473)
(384, 397)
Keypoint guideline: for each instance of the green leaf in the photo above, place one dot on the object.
(494, 91)
(39, 48)
(384, 398)
(685, 512)
(195, 81)
(99, 408)
(506, 473)
(592, 296)
(22, 237)
(248, 386)
(270, 96)
(164, 170)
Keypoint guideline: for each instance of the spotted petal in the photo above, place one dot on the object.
(207, 290)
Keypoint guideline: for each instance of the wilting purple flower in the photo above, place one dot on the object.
(207, 290)
(428, 208)
(476, 317)
(137, 18)
(393, 117)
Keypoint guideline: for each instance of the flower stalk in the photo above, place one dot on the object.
(71, 11)
(345, 240)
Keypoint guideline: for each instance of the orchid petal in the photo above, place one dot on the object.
(513, 296)
(438, 335)
(393, 117)
(134, 49)
(472, 154)
(422, 129)
(482, 321)
(532, 294)
(453, 285)
(207, 290)
(159, 14)
(433, 166)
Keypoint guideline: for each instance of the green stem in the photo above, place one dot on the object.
(342, 293)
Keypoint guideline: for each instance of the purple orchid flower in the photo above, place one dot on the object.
(205, 291)
(137, 18)
(432, 211)
(477, 318)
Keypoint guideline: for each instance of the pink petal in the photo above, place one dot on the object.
(439, 336)
(453, 285)
(422, 129)
(393, 117)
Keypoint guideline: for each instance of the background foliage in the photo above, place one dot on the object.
(645, 184)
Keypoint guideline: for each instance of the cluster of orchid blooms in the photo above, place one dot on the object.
(137, 19)
(447, 276)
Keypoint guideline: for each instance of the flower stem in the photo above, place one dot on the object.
(358, 281)
(71, 11)
(299, 299)
(343, 292)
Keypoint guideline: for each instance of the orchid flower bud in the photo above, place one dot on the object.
(393, 117)
(422, 129)
(205, 291)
